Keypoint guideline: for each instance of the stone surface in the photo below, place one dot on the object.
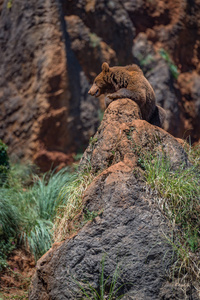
(129, 227)
(123, 136)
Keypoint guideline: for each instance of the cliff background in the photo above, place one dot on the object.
(52, 50)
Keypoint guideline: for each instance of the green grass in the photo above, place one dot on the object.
(194, 155)
(180, 189)
(107, 289)
(32, 207)
(28, 207)
(172, 67)
(9, 226)
(43, 201)
(178, 195)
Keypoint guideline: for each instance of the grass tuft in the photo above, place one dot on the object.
(28, 207)
(107, 289)
(71, 194)
(179, 197)
(42, 201)
(172, 67)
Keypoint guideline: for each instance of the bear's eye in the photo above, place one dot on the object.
(100, 83)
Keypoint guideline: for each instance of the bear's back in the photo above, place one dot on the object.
(130, 69)
(133, 68)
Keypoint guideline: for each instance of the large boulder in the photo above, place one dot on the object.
(129, 227)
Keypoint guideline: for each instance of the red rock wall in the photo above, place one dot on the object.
(51, 50)
(41, 110)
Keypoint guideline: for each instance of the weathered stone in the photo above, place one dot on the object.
(121, 135)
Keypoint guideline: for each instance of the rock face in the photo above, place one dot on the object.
(43, 90)
(52, 50)
(129, 227)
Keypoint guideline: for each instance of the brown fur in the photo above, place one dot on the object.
(128, 82)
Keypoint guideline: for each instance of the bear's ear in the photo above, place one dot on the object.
(105, 67)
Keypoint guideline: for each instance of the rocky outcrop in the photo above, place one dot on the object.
(129, 228)
(123, 136)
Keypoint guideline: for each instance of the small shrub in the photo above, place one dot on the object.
(78, 156)
(94, 40)
(93, 140)
(90, 215)
(6, 247)
(173, 68)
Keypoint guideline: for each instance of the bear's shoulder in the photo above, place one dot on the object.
(133, 68)
(122, 77)
(129, 68)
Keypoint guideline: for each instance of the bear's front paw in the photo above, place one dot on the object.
(108, 100)
(110, 96)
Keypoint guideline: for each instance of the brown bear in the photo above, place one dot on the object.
(128, 82)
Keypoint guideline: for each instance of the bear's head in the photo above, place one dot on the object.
(102, 83)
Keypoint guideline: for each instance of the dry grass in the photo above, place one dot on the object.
(71, 194)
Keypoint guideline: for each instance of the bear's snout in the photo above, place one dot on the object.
(94, 91)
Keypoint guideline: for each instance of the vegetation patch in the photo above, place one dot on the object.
(9, 4)
(36, 210)
(28, 208)
(93, 140)
(173, 68)
(145, 61)
(108, 287)
(71, 195)
(178, 194)
(94, 40)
